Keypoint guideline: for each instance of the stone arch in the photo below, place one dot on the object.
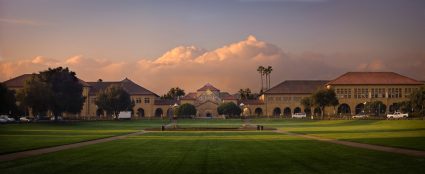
(170, 112)
(141, 112)
(297, 110)
(359, 108)
(258, 111)
(276, 111)
(344, 109)
(394, 107)
(287, 112)
(158, 112)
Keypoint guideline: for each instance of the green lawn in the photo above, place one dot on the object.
(18, 137)
(397, 133)
(215, 152)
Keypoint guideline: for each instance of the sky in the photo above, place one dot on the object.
(161, 44)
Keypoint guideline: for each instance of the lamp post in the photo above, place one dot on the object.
(242, 108)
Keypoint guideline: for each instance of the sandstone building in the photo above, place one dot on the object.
(353, 89)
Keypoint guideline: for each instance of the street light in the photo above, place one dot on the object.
(242, 107)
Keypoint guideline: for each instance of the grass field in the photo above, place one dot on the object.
(216, 152)
(18, 137)
(397, 133)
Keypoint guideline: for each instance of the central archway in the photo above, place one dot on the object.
(208, 114)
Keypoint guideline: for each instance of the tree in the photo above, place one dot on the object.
(113, 100)
(57, 90)
(36, 94)
(375, 108)
(67, 91)
(8, 100)
(229, 108)
(323, 98)
(267, 72)
(174, 93)
(260, 70)
(405, 106)
(307, 103)
(417, 101)
(246, 94)
(185, 110)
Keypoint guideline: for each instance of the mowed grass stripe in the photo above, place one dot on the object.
(20, 137)
(395, 133)
(276, 154)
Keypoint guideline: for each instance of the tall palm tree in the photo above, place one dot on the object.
(269, 70)
(260, 70)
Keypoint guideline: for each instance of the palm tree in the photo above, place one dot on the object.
(260, 70)
(268, 70)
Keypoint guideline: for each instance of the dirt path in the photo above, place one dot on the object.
(403, 151)
(28, 153)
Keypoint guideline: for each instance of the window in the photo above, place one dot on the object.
(147, 100)
(93, 100)
(138, 100)
(361, 93)
(271, 98)
(343, 93)
(286, 98)
(394, 93)
(378, 92)
(278, 98)
(408, 91)
(296, 98)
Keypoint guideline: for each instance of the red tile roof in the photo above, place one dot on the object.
(128, 85)
(19, 82)
(165, 102)
(297, 87)
(190, 96)
(208, 87)
(373, 78)
(227, 96)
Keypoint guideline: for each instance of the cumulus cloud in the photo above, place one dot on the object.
(229, 68)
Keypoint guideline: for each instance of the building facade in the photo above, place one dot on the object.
(353, 89)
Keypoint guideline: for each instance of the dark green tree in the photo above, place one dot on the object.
(174, 93)
(246, 94)
(113, 100)
(67, 91)
(323, 98)
(8, 100)
(307, 102)
(229, 108)
(185, 110)
(417, 101)
(376, 108)
(36, 94)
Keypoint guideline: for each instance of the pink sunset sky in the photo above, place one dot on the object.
(163, 44)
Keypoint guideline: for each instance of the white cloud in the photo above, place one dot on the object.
(229, 68)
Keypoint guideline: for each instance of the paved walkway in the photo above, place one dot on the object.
(403, 151)
(28, 153)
